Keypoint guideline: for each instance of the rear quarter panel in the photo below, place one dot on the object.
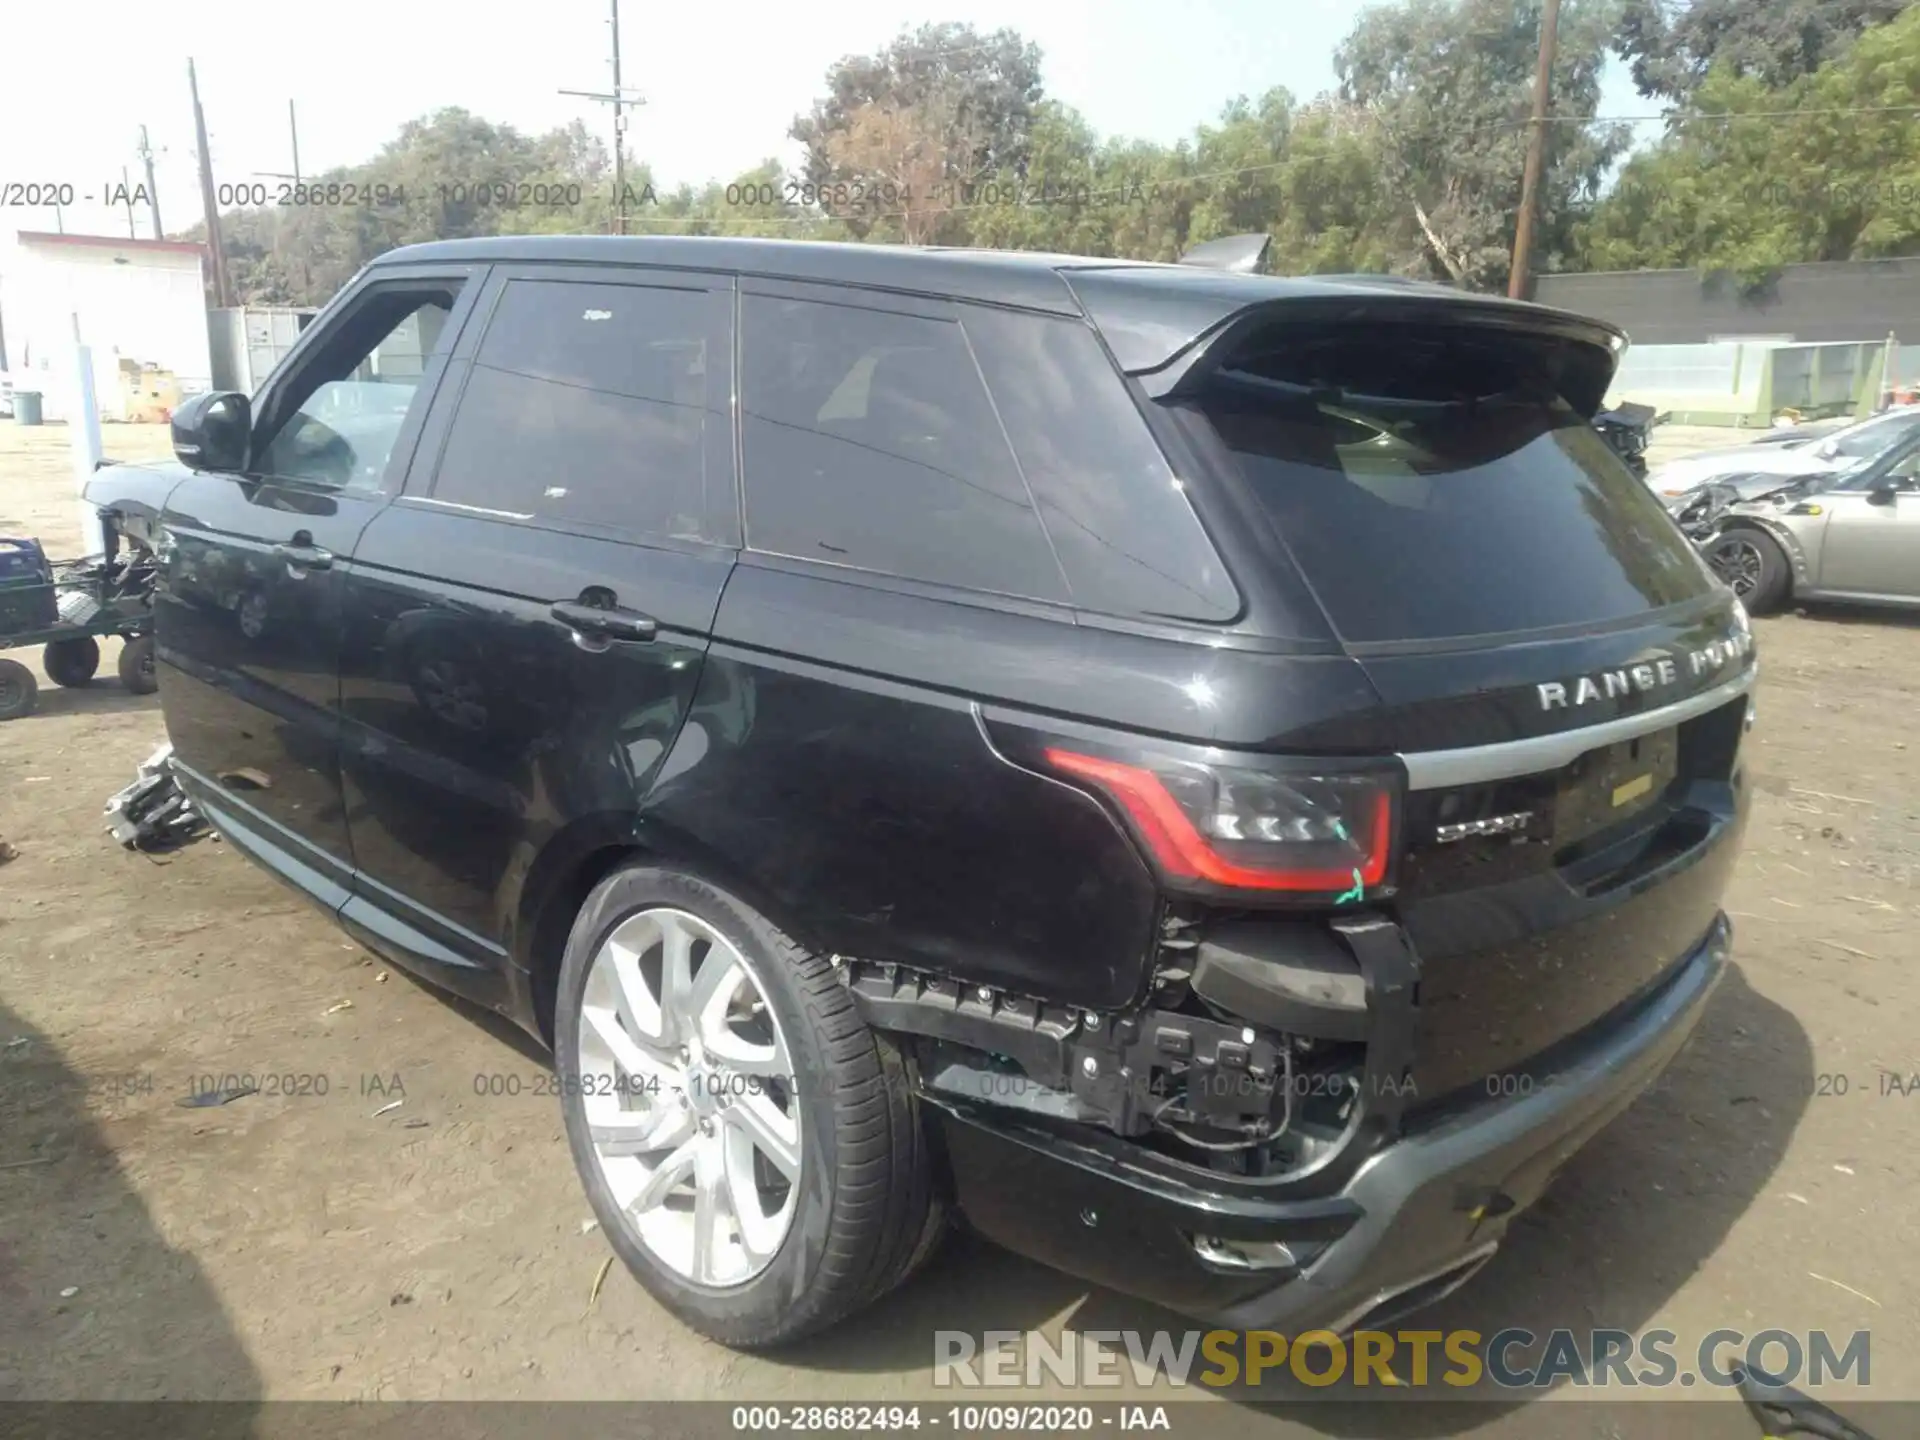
(834, 758)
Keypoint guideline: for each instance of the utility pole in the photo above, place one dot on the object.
(619, 98)
(153, 192)
(126, 189)
(222, 296)
(293, 130)
(293, 133)
(1536, 153)
(619, 131)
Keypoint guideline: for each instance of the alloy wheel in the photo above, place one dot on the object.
(1738, 563)
(689, 1097)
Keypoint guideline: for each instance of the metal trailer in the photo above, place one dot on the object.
(67, 607)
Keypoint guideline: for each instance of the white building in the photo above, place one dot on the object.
(140, 301)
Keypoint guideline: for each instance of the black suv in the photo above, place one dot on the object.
(1222, 781)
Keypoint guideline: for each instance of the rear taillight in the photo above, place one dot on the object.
(1308, 834)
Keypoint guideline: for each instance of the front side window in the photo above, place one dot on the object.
(869, 442)
(588, 404)
(354, 396)
(1904, 468)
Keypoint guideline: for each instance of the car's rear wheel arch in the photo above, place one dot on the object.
(551, 919)
(572, 865)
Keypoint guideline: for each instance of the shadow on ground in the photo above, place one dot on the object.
(1836, 612)
(101, 697)
(1627, 1222)
(142, 1311)
(496, 1025)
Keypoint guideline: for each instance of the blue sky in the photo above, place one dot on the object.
(722, 82)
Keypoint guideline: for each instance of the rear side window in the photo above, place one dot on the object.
(1126, 535)
(1432, 485)
(868, 440)
(588, 404)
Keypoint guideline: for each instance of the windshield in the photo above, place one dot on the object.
(1446, 492)
(1860, 444)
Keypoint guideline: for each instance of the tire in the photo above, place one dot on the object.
(71, 662)
(18, 690)
(1753, 566)
(860, 1200)
(136, 666)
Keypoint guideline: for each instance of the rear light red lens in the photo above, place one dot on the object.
(1252, 829)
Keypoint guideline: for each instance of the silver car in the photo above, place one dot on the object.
(1845, 534)
(1755, 468)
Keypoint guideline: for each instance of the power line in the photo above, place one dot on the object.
(1680, 117)
(1069, 194)
(1671, 117)
(1076, 193)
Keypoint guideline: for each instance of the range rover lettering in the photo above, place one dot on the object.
(1220, 783)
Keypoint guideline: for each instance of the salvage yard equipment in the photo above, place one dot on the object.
(67, 605)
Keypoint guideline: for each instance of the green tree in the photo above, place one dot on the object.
(1827, 168)
(909, 128)
(1332, 212)
(1448, 86)
(1673, 44)
(1084, 196)
(761, 202)
(444, 176)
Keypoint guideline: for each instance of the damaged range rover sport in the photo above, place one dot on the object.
(1222, 783)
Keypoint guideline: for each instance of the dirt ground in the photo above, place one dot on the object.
(327, 1246)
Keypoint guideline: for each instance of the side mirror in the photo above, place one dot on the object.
(1885, 493)
(212, 431)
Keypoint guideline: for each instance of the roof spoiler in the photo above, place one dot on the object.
(1242, 254)
(1585, 349)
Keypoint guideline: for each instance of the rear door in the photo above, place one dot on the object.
(1562, 678)
(525, 625)
(248, 620)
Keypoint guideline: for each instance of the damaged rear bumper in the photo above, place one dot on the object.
(1410, 1223)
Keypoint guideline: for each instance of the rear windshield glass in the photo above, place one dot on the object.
(1432, 487)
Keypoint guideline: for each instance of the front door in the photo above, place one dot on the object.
(248, 620)
(1872, 541)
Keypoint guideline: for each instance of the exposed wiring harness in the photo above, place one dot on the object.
(1229, 1146)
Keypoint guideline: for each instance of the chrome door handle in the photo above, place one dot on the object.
(614, 624)
(305, 557)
